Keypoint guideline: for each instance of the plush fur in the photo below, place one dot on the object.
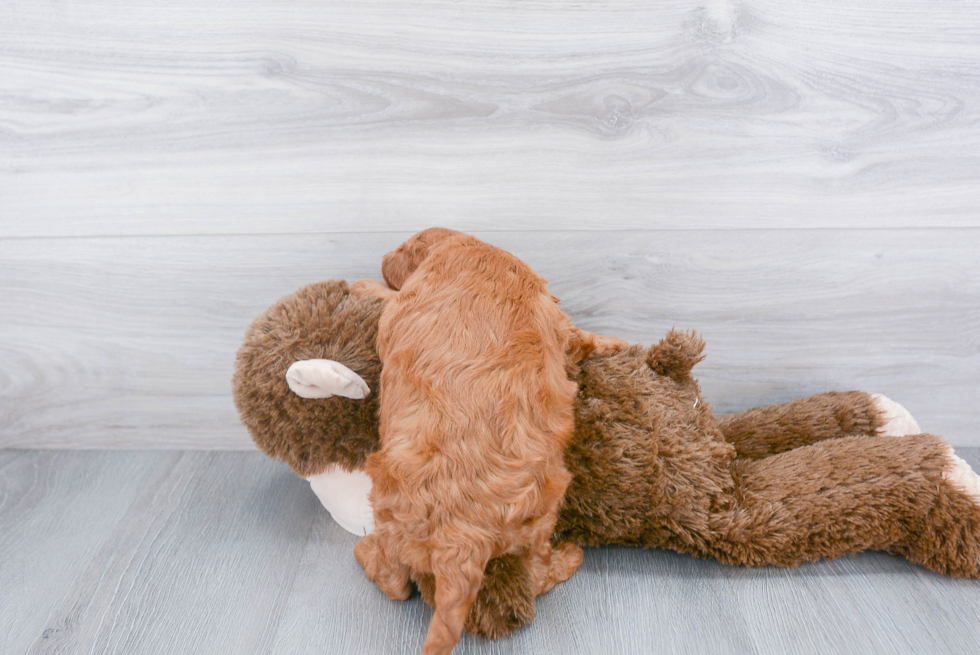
(319, 321)
(652, 466)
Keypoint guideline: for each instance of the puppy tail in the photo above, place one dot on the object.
(458, 581)
(676, 354)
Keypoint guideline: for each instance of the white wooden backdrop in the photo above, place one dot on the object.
(798, 179)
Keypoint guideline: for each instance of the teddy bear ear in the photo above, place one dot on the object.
(323, 378)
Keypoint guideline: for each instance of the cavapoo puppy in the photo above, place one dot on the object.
(476, 408)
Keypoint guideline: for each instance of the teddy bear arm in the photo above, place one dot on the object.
(765, 431)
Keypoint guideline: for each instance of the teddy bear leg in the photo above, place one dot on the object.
(911, 496)
(950, 541)
(765, 431)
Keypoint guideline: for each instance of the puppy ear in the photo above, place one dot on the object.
(398, 264)
(323, 378)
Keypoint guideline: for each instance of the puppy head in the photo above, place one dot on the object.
(312, 415)
(398, 264)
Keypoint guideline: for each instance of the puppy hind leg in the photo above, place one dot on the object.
(566, 557)
(548, 565)
(391, 576)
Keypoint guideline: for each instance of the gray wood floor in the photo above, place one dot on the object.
(798, 179)
(135, 552)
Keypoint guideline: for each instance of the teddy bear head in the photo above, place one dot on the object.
(306, 378)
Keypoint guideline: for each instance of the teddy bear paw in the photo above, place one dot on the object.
(898, 422)
(959, 474)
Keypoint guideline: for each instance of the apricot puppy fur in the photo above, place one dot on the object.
(476, 409)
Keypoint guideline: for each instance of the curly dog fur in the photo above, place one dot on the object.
(476, 409)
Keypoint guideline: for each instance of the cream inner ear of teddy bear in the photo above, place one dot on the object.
(323, 378)
(345, 495)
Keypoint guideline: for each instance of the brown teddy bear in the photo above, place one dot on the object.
(652, 466)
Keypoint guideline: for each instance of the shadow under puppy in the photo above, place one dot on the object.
(651, 465)
(476, 410)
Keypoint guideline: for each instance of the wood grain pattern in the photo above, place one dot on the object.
(130, 342)
(56, 509)
(143, 118)
(142, 552)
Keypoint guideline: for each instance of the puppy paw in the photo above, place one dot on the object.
(898, 422)
(570, 557)
(372, 289)
(609, 346)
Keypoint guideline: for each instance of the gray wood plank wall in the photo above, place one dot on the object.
(798, 180)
